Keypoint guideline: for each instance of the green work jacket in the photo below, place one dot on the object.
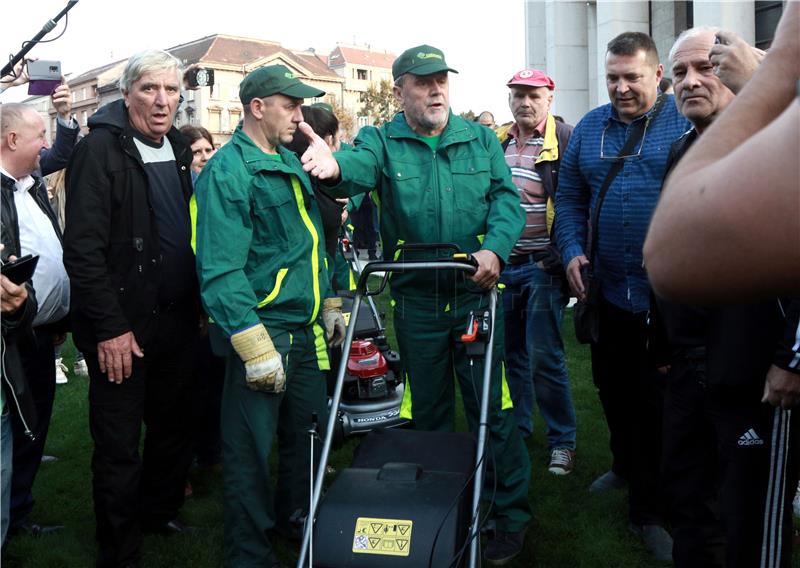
(260, 247)
(461, 193)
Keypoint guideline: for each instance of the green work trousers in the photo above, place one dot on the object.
(250, 421)
(432, 353)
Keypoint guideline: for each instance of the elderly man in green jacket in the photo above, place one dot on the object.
(263, 279)
(439, 179)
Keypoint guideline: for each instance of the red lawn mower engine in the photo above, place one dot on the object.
(369, 374)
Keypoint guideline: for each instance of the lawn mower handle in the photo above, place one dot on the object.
(463, 262)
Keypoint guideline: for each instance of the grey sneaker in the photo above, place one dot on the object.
(656, 539)
(80, 368)
(503, 547)
(608, 481)
(562, 461)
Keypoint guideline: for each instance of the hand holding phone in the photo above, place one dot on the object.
(21, 269)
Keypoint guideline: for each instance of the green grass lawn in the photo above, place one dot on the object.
(571, 527)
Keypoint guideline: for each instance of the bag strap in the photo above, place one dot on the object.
(633, 138)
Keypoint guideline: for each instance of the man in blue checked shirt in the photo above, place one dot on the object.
(629, 390)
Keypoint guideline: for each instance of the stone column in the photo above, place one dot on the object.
(737, 16)
(613, 18)
(567, 57)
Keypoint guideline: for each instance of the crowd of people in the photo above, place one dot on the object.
(187, 272)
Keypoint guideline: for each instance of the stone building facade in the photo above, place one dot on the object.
(567, 38)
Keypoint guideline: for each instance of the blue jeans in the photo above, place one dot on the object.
(534, 307)
(6, 453)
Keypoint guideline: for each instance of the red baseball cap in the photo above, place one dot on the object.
(532, 78)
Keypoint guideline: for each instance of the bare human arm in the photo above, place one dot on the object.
(728, 224)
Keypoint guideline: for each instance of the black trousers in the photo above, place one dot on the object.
(365, 233)
(631, 392)
(207, 404)
(38, 360)
(729, 471)
(129, 490)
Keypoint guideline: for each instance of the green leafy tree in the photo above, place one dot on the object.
(379, 103)
(469, 115)
(347, 121)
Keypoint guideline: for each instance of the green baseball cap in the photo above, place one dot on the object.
(420, 60)
(273, 80)
(323, 106)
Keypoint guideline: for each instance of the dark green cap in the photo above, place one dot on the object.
(323, 106)
(420, 60)
(273, 80)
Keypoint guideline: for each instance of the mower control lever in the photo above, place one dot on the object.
(466, 257)
(477, 335)
(472, 330)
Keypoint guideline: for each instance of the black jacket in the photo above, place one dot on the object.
(739, 341)
(16, 328)
(111, 242)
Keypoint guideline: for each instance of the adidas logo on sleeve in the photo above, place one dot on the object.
(750, 438)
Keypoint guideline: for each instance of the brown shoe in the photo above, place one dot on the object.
(562, 461)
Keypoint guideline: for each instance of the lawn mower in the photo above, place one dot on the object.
(410, 498)
(373, 382)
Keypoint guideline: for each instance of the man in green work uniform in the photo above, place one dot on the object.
(261, 264)
(440, 179)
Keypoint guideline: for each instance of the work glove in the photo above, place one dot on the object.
(262, 362)
(334, 321)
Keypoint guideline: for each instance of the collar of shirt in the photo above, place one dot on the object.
(22, 184)
(538, 132)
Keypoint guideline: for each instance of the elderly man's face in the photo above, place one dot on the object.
(699, 94)
(632, 83)
(529, 105)
(152, 102)
(31, 138)
(426, 102)
(279, 117)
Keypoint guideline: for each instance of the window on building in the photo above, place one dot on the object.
(225, 125)
(684, 15)
(767, 16)
(84, 118)
(213, 120)
(235, 117)
(361, 74)
(363, 121)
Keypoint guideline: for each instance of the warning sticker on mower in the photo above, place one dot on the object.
(390, 537)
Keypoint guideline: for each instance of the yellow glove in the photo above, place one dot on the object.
(334, 321)
(262, 362)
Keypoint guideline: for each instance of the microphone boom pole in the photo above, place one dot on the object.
(46, 29)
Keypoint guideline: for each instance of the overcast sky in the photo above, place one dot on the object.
(483, 40)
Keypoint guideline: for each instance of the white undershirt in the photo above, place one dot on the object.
(37, 236)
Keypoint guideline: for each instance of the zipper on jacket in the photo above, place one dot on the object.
(436, 196)
(28, 431)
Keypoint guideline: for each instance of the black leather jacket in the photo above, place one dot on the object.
(16, 328)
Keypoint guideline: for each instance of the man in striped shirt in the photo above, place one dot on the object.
(535, 296)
